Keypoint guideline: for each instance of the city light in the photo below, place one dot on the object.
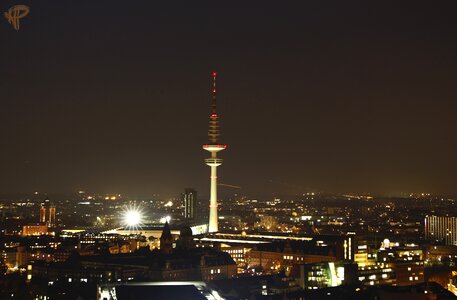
(341, 183)
(132, 217)
(165, 219)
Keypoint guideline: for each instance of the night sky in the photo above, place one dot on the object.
(338, 96)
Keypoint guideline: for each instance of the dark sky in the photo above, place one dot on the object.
(341, 96)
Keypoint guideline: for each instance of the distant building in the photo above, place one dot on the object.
(283, 255)
(190, 203)
(441, 229)
(84, 271)
(238, 253)
(395, 265)
(14, 258)
(437, 253)
(325, 274)
(48, 213)
(36, 229)
(8, 258)
(408, 273)
(47, 219)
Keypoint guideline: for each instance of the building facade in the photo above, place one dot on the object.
(441, 229)
(190, 203)
(37, 229)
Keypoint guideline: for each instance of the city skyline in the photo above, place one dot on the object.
(339, 119)
(99, 102)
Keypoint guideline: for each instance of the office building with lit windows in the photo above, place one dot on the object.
(190, 203)
(441, 229)
(325, 274)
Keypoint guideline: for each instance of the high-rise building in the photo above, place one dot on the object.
(441, 229)
(47, 213)
(190, 203)
(213, 147)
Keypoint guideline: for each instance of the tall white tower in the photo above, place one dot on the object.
(213, 147)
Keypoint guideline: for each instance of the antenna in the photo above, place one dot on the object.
(213, 102)
(213, 132)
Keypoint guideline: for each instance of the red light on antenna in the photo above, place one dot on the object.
(214, 74)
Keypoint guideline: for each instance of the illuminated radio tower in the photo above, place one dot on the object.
(214, 161)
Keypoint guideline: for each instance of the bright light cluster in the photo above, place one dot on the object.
(165, 219)
(132, 217)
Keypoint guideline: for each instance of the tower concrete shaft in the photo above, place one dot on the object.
(213, 161)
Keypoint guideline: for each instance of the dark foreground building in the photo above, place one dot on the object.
(120, 272)
(190, 290)
(194, 264)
